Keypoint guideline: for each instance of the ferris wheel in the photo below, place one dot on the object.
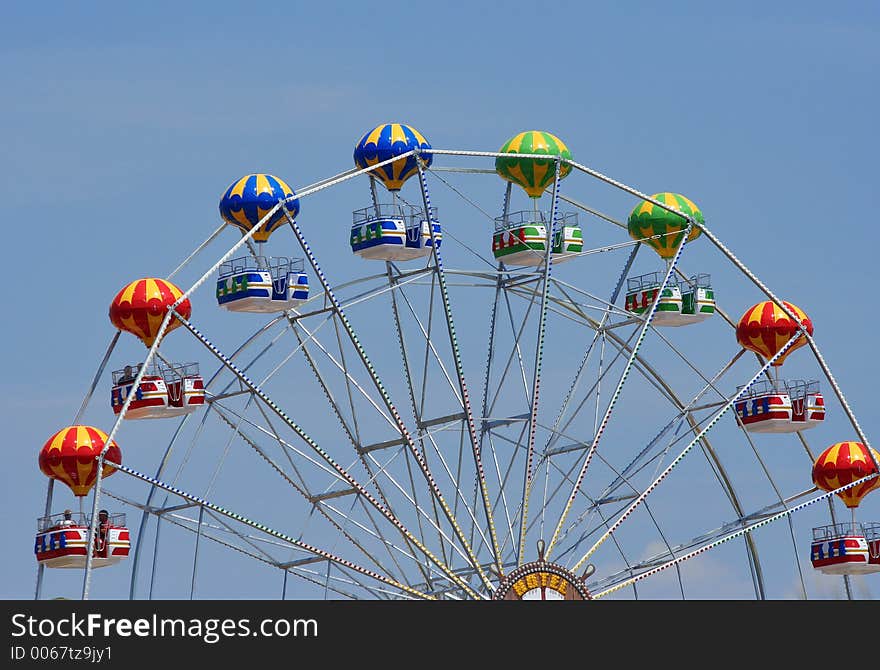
(490, 390)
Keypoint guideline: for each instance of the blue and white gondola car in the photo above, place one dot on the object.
(262, 284)
(395, 232)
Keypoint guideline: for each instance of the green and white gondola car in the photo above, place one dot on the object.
(681, 303)
(521, 238)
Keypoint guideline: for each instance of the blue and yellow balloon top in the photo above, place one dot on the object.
(383, 143)
(250, 198)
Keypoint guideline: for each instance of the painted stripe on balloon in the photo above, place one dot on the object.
(87, 442)
(235, 208)
(374, 136)
(138, 322)
(419, 138)
(68, 442)
(397, 133)
(405, 167)
(770, 334)
(278, 189)
(238, 187)
(157, 297)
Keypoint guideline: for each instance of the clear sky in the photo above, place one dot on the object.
(124, 123)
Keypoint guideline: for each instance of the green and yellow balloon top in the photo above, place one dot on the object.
(533, 174)
(647, 220)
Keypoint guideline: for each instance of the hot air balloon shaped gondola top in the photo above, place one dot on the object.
(140, 307)
(520, 237)
(847, 548)
(69, 456)
(777, 406)
(258, 283)
(165, 390)
(395, 230)
(683, 301)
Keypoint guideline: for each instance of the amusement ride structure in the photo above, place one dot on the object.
(505, 410)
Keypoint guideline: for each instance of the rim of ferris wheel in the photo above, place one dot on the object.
(459, 558)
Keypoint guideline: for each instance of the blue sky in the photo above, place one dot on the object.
(124, 125)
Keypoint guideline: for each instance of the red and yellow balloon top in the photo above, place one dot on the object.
(842, 464)
(765, 329)
(69, 456)
(140, 307)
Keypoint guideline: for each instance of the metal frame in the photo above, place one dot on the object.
(443, 506)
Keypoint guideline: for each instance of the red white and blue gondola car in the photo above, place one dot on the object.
(846, 549)
(262, 284)
(164, 391)
(781, 407)
(62, 543)
(394, 232)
